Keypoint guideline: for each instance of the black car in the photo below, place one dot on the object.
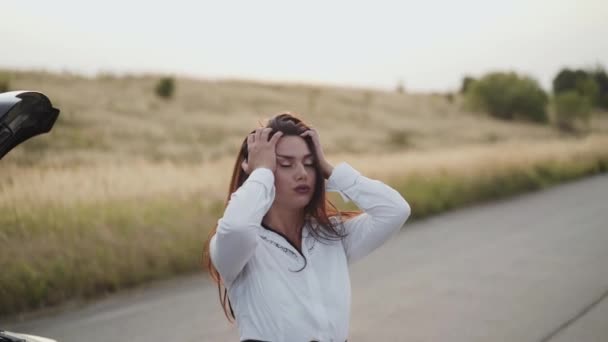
(23, 115)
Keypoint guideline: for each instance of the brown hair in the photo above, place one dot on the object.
(319, 208)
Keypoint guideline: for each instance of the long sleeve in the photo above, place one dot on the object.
(384, 211)
(236, 237)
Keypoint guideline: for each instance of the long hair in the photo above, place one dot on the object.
(319, 208)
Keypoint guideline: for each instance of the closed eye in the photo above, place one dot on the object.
(289, 165)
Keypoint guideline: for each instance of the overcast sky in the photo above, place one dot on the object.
(429, 44)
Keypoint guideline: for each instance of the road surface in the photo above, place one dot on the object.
(530, 268)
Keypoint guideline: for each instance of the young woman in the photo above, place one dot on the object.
(281, 251)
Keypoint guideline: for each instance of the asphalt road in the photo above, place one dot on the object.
(530, 268)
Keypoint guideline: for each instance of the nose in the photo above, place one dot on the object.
(301, 172)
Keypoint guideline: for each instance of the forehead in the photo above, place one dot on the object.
(292, 146)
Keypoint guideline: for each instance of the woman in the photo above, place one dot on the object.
(281, 250)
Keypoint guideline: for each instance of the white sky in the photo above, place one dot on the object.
(429, 44)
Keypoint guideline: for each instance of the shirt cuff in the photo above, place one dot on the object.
(342, 177)
(262, 175)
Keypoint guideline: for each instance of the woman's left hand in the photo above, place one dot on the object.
(326, 167)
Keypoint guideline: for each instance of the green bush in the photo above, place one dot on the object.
(592, 84)
(4, 82)
(588, 88)
(572, 111)
(508, 96)
(466, 84)
(400, 138)
(568, 79)
(601, 78)
(165, 87)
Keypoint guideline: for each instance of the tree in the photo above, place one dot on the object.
(509, 96)
(567, 79)
(165, 87)
(601, 78)
(585, 83)
(467, 81)
(572, 109)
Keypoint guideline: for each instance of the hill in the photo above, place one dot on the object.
(114, 119)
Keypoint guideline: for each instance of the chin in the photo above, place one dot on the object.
(299, 204)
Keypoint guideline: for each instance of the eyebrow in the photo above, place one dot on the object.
(292, 157)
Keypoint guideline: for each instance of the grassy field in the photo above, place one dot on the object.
(126, 186)
(120, 119)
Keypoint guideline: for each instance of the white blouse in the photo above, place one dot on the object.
(276, 294)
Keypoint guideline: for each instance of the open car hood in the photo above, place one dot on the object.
(24, 114)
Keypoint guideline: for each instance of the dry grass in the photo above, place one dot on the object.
(25, 188)
(476, 160)
(31, 187)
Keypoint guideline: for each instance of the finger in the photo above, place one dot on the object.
(276, 137)
(309, 133)
(258, 135)
(265, 133)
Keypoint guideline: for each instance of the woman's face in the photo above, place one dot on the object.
(295, 173)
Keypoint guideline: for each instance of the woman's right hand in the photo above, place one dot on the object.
(262, 152)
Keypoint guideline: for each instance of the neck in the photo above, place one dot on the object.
(288, 222)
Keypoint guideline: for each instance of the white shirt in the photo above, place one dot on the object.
(272, 301)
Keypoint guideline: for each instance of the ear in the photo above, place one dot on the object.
(245, 166)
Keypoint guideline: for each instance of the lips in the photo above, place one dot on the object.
(302, 189)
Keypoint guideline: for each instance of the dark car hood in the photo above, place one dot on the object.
(24, 114)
